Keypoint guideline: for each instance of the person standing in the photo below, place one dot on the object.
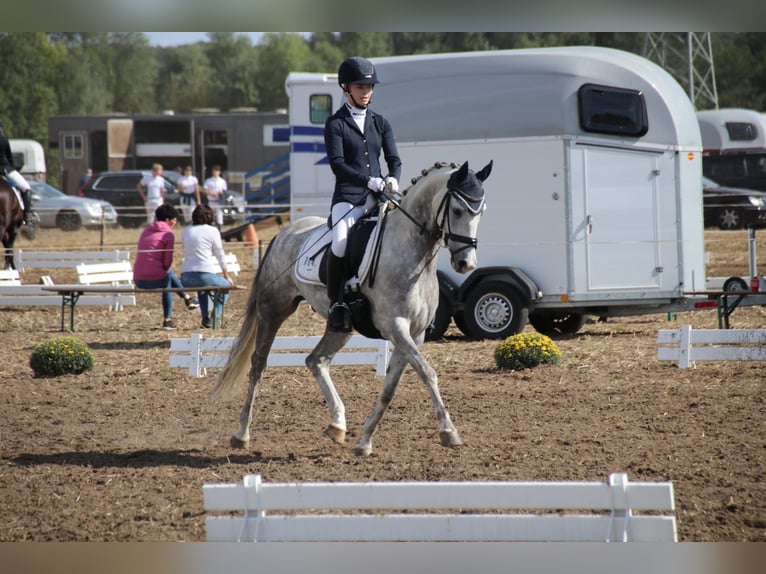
(215, 191)
(354, 137)
(152, 191)
(154, 260)
(188, 185)
(202, 248)
(14, 177)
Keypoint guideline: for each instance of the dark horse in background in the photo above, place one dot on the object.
(11, 219)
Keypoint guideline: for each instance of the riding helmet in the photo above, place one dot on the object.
(357, 70)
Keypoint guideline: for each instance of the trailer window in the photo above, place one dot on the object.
(320, 108)
(72, 146)
(741, 131)
(610, 110)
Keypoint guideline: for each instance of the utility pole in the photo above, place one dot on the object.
(688, 57)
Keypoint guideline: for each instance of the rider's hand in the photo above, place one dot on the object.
(391, 184)
(376, 184)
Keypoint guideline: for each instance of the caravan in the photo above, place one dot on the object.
(594, 205)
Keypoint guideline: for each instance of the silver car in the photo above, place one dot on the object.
(56, 209)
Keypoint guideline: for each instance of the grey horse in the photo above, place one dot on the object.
(442, 207)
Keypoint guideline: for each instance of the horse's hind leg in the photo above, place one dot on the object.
(318, 362)
(266, 330)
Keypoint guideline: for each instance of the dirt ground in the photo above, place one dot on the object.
(121, 454)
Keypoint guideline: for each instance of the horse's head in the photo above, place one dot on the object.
(459, 215)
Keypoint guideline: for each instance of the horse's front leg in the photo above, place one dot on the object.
(318, 362)
(394, 373)
(448, 434)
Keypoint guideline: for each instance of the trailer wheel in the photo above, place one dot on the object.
(735, 284)
(557, 323)
(442, 318)
(494, 310)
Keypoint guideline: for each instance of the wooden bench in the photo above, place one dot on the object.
(687, 345)
(457, 511)
(25, 259)
(197, 353)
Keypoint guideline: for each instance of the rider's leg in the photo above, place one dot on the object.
(26, 192)
(342, 217)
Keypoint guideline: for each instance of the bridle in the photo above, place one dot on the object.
(443, 229)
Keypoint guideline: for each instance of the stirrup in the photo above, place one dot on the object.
(339, 319)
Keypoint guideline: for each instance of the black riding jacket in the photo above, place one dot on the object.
(355, 157)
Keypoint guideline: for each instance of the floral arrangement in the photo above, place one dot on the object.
(526, 350)
(61, 356)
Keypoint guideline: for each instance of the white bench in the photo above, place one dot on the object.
(197, 354)
(25, 259)
(687, 345)
(475, 511)
(118, 273)
(232, 264)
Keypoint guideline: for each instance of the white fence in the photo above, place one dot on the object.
(25, 259)
(687, 345)
(606, 511)
(197, 354)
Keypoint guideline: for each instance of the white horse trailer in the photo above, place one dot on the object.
(594, 206)
(734, 147)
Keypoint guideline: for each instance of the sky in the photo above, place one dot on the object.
(179, 38)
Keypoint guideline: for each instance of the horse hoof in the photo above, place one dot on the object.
(337, 435)
(238, 443)
(450, 438)
(363, 450)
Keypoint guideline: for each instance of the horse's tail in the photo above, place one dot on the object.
(238, 364)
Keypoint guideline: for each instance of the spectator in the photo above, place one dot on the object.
(215, 189)
(152, 191)
(154, 260)
(202, 247)
(85, 179)
(188, 185)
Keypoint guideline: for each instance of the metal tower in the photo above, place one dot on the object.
(688, 57)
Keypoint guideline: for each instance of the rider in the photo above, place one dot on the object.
(354, 137)
(14, 177)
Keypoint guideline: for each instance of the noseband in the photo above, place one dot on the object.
(474, 204)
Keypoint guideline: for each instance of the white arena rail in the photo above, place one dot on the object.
(687, 345)
(309, 512)
(197, 353)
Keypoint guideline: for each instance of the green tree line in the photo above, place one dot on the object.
(47, 73)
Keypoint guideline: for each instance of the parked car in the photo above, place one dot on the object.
(54, 208)
(732, 207)
(120, 188)
(234, 206)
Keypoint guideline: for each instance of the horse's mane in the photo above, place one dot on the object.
(425, 171)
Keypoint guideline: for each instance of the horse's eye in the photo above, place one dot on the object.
(457, 211)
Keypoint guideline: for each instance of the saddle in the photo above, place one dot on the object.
(360, 262)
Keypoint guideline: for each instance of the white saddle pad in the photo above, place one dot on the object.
(312, 252)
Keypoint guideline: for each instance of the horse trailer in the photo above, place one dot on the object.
(594, 206)
(734, 147)
(29, 159)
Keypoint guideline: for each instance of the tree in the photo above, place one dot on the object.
(235, 71)
(27, 97)
(279, 54)
(135, 68)
(186, 79)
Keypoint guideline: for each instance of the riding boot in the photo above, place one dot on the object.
(339, 319)
(26, 195)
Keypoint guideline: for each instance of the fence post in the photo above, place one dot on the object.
(685, 347)
(195, 368)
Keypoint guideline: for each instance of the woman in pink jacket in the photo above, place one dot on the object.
(154, 259)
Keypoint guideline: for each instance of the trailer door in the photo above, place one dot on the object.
(623, 221)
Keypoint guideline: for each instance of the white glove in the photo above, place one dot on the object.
(391, 184)
(376, 184)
